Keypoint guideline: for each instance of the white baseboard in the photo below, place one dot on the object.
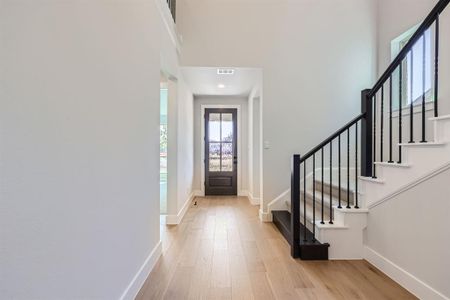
(265, 216)
(176, 219)
(413, 284)
(198, 193)
(252, 199)
(279, 203)
(243, 193)
(138, 280)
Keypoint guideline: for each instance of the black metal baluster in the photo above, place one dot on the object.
(322, 202)
(382, 123)
(304, 200)
(400, 99)
(314, 198)
(348, 167)
(356, 165)
(339, 170)
(411, 105)
(390, 120)
(436, 67)
(374, 175)
(423, 88)
(331, 182)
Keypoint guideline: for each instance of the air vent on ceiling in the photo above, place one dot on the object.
(225, 71)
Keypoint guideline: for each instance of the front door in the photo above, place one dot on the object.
(220, 151)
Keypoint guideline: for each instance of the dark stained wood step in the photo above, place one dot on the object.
(309, 250)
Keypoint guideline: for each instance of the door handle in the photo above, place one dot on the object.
(235, 160)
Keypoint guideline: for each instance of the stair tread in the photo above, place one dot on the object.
(335, 183)
(431, 144)
(439, 118)
(309, 214)
(393, 164)
(371, 179)
(326, 197)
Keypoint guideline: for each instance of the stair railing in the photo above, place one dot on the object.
(353, 163)
(399, 80)
(345, 140)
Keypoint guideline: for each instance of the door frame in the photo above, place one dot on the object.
(202, 137)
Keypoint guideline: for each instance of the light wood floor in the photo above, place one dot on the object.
(222, 251)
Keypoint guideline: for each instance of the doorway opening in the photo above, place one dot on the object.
(228, 88)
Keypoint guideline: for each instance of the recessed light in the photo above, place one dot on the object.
(225, 71)
(221, 86)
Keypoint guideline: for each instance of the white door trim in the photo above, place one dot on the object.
(202, 136)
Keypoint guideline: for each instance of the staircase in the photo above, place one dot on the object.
(366, 162)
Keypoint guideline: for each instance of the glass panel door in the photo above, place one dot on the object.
(221, 151)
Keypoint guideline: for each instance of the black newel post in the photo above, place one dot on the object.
(366, 134)
(295, 206)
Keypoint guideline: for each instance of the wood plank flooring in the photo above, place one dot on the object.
(222, 251)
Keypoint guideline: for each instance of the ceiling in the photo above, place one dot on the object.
(206, 81)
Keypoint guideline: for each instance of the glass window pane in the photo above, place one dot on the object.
(214, 127)
(227, 157)
(214, 157)
(227, 127)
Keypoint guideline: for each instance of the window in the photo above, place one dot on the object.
(417, 79)
(220, 128)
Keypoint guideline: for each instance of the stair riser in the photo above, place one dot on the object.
(337, 218)
(335, 191)
(345, 243)
(425, 155)
(326, 203)
(442, 130)
(309, 204)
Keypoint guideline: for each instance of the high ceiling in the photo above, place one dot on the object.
(206, 81)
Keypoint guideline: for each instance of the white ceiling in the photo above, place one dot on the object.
(206, 81)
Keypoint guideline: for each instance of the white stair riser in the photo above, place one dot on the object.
(442, 130)
(345, 243)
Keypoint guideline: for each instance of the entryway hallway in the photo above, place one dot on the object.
(222, 251)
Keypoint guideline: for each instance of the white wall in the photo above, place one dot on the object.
(172, 147)
(254, 147)
(185, 143)
(316, 57)
(411, 231)
(243, 132)
(79, 139)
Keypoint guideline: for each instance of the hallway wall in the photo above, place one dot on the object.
(316, 58)
(185, 145)
(254, 131)
(79, 162)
